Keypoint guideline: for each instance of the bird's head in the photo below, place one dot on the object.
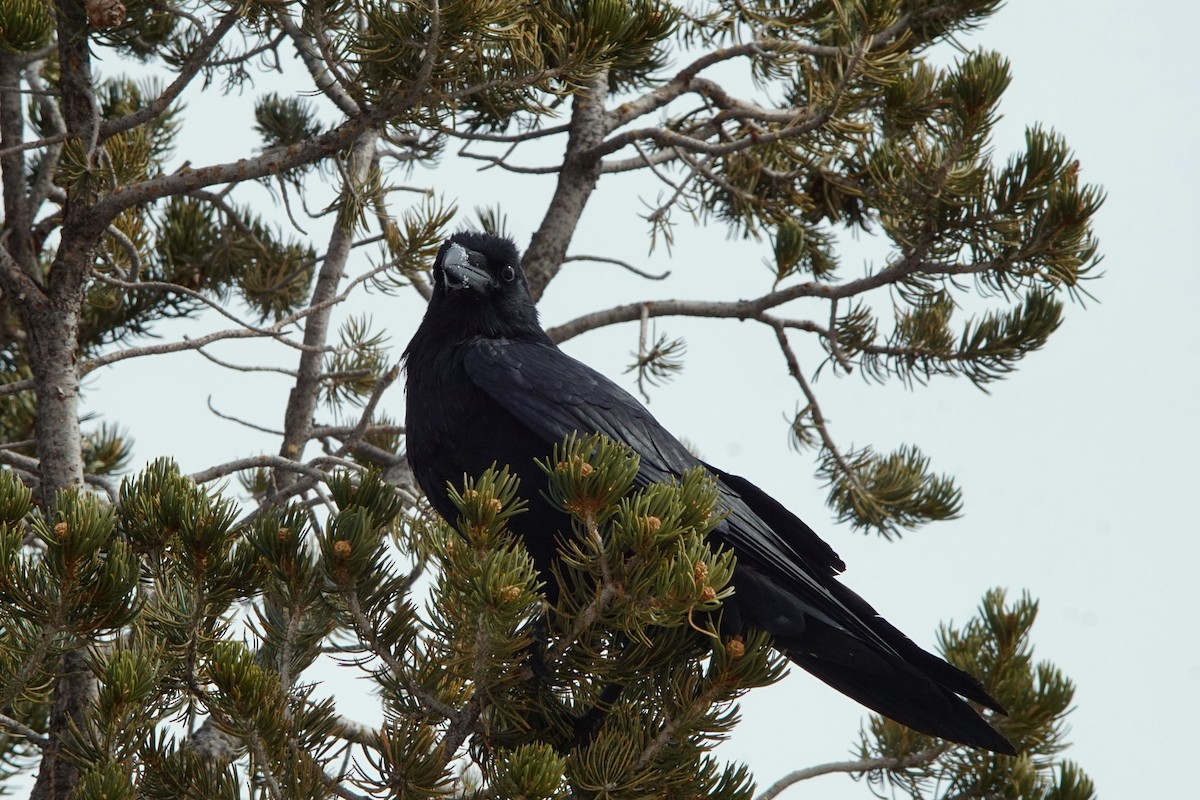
(479, 289)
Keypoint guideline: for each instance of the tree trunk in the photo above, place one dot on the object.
(302, 401)
(58, 776)
(53, 325)
(576, 182)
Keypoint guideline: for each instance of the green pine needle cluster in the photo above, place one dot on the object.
(890, 492)
(25, 25)
(996, 646)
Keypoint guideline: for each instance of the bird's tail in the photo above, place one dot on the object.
(923, 697)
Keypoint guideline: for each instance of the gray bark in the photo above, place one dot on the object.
(52, 320)
(302, 401)
(576, 182)
(58, 776)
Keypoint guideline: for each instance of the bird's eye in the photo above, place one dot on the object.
(508, 273)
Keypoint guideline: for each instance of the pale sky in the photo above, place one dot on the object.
(1078, 471)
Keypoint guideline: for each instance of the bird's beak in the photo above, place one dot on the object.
(459, 273)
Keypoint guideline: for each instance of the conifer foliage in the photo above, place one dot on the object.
(159, 631)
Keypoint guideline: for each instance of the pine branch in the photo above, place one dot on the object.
(31, 466)
(399, 670)
(274, 331)
(317, 68)
(196, 60)
(21, 729)
(795, 125)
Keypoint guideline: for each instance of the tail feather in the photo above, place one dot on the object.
(946, 675)
(879, 667)
(891, 686)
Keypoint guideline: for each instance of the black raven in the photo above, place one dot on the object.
(486, 384)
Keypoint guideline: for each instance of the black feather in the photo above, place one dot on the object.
(486, 385)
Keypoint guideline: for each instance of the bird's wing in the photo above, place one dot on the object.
(552, 394)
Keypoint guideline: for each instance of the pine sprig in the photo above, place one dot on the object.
(890, 492)
(995, 646)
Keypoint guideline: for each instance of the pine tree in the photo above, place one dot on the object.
(155, 631)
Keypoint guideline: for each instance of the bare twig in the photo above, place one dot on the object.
(274, 331)
(242, 368)
(506, 138)
(653, 165)
(259, 462)
(23, 730)
(131, 251)
(240, 421)
(344, 431)
(264, 766)
(624, 264)
(241, 58)
(814, 411)
(287, 203)
(751, 309)
(863, 765)
(43, 183)
(664, 137)
(641, 160)
(681, 83)
(331, 61)
(502, 162)
(643, 333)
(35, 144)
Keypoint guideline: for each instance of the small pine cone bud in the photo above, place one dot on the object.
(342, 549)
(510, 593)
(735, 648)
(585, 468)
(708, 593)
(283, 534)
(60, 530)
(700, 572)
(653, 523)
(105, 14)
(470, 494)
(495, 505)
